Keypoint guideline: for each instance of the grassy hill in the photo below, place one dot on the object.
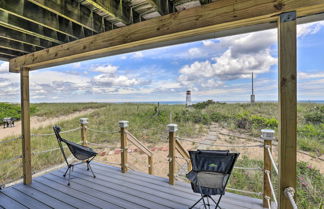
(148, 123)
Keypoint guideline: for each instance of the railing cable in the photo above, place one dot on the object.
(245, 191)
(290, 192)
(10, 159)
(10, 140)
(268, 201)
(246, 168)
(271, 186)
(222, 145)
(62, 132)
(99, 131)
(271, 158)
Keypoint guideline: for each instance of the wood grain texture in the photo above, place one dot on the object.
(287, 109)
(25, 126)
(217, 16)
(172, 159)
(124, 149)
(110, 190)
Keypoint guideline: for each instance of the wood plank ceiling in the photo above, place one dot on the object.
(27, 26)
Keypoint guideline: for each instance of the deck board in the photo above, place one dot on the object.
(111, 189)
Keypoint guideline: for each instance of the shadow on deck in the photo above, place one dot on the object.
(111, 189)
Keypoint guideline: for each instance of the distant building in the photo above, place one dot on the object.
(188, 99)
(252, 95)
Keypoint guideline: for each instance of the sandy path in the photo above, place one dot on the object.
(39, 122)
(139, 161)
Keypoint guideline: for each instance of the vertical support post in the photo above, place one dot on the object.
(25, 125)
(84, 131)
(172, 128)
(267, 136)
(150, 163)
(287, 105)
(123, 145)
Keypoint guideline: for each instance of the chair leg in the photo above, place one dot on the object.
(207, 197)
(196, 202)
(69, 176)
(217, 204)
(68, 168)
(205, 205)
(89, 167)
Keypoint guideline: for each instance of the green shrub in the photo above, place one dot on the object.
(203, 105)
(315, 115)
(218, 117)
(310, 187)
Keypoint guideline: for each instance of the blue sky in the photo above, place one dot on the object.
(218, 69)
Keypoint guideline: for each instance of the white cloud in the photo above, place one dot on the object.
(114, 80)
(309, 28)
(138, 55)
(244, 54)
(4, 67)
(76, 65)
(108, 69)
(312, 75)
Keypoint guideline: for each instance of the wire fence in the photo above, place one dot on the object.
(103, 131)
(10, 140)
(11, 159)
(62, 132)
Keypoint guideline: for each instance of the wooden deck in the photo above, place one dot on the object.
(111, 189)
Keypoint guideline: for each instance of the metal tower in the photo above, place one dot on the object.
(252, 95)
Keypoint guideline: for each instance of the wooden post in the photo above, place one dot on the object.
(25, 125)
(123, 145)
(84, 131)
(172, 149)
(287, 105)
(150, 163)
(267, 136)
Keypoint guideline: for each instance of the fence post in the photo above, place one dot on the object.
(172, 128)
(123, 145)
(25, 125)
(150, 163)
(267, 135)
(84, 131)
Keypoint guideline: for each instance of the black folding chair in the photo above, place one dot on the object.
(210, 172)
(82, 153)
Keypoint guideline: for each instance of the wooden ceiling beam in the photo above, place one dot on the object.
(108, 8)
(5, 57)
(24, 38)
(33, 13)
(215, 17)
(74, 12)
(10, 52)
(15, 23)
(16, 46)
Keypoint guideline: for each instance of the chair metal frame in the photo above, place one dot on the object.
(203, 196)
(70, 166)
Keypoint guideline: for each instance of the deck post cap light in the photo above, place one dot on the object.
(123, 124)
(172, 127)
(84, 121)
(267, 134)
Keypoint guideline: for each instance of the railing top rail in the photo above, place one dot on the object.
(138, 144)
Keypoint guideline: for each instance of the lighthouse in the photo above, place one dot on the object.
(188, 98)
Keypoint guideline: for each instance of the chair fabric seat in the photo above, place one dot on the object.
(209, 183)
(79, 152)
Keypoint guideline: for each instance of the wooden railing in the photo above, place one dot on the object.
(267, 137)
(125, 137)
